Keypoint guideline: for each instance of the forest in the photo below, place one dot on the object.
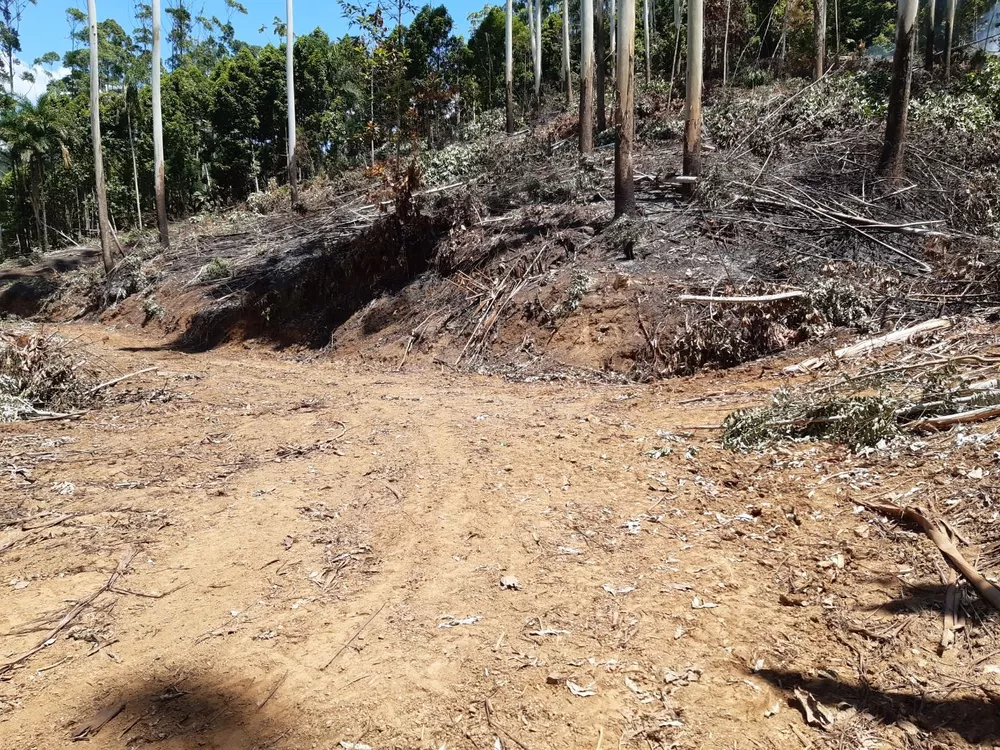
(402, 83)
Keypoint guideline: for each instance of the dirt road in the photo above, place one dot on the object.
(320, 548)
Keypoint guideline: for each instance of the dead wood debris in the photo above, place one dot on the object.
(123, 565)
(930, 385)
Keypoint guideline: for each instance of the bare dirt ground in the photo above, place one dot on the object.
(319, 548)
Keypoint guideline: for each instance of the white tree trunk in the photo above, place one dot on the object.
(159, 170)
(625, 110)
(695, 60)
(645, 40)
(586, 76)
(725, 45)
(509, 66)
(290, 86)
(95, 130)
(538, 53)
(949, 38)
(135, 166)
(602, 63)
(567, 68)
(613, 23)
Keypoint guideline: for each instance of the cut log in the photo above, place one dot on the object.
(742, 300)
(962, 417)
(878, 342)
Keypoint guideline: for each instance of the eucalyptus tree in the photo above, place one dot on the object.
(100, 187)
(892, 163)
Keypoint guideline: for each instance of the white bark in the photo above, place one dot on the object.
(95, 130)
(566, 66)
(625, 111)
(135, 166)
(159, 170)
(290, 86)
(538, 52)
(613, 23)
(645, 40)
(949, 38)
(725, 46)
(696, 46)
(509, 67)
(586, 76)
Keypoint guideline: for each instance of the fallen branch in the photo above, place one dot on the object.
(742, 300)
(119, 379)
(123, 566)
(878, 342)
(353, 637)
(947, 420)
(951, 616)
(989, 592)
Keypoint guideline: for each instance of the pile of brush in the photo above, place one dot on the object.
(42, 376)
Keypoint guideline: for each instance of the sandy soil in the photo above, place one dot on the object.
(319, 548)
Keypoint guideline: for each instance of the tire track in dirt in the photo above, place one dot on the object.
(293, 546)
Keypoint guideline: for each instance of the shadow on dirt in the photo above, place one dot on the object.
(301, 296)
(26, 295)
(976, 720)
(189, 713)
(926, 597)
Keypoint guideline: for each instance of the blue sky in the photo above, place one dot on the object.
(44, 27)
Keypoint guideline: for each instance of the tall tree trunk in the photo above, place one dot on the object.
(725, 46)
(949, 38)
(586, 76)
(695, 55)
(538, 55)
(293, 177)
(567, 70)
(892, 163)
(95, 131)
(931, 36)
(625, 110)
(645, 41)
(135, 168)
(602, 63)
(819, 37)
(783, 39)
(673, 67)
(836, 25)
(38, 202)
(613, 27)
(44, 201)
(159, 169)
(509, 66)
(534, 50)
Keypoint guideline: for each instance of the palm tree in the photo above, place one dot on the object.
(33, 135)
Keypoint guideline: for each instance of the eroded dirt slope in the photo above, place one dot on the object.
(319, 548)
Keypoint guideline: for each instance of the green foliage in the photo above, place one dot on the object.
(224, 113)
(949, 112)
(857, 421)
(214, 270)
(842, 305)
